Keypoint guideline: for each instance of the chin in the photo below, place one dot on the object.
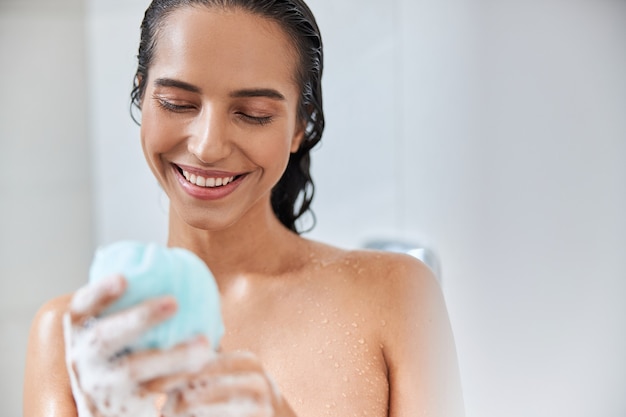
(204, 221)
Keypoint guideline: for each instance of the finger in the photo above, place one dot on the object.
(91, 299)
(225, 388)
(218, 364)
(174, 364)
(239, 395)
(83, 405)
(118, 331)
(243, 362)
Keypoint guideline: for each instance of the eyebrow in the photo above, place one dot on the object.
(169, 82)
(244, 93)
(258, 92)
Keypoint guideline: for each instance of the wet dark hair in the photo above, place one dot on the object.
(292, 195)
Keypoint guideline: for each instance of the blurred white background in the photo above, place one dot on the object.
(492, 131)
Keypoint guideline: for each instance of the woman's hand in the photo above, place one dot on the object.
(231, 384)
(106, 381)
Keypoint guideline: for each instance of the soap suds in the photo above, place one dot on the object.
(111, 386)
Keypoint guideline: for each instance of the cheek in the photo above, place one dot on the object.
(273, 149)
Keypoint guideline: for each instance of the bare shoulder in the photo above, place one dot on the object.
(406, 312)
(396, 289)
(52, 310)
(47, 326)
(402, 285)
(386, 275)
(46, 384)
(417, 341)
(393, 269)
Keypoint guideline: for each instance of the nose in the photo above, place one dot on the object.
(209, 139)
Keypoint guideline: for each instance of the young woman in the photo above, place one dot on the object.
(230, 97)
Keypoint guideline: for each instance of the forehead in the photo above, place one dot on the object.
(232, 47)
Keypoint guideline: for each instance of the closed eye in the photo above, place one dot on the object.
(260, 120)
(168, 105)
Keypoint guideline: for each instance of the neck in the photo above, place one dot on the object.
(257, 244)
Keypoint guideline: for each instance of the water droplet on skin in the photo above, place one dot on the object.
(320, 351)
(361, 341)
(354, 324)
(336, 364)
(347, 333)
(324, 321)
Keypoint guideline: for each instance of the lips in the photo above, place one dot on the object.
(207, 185)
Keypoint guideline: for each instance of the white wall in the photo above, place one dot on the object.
(45, 192)
(356, 168)
(127, 200)
(494, 131)
(516, 156)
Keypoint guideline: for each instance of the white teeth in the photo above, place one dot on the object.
(207, 182)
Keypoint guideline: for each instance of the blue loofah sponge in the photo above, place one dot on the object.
(152, 270)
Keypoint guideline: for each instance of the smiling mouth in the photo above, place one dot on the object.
(211, 182)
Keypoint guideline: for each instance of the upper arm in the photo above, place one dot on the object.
(47, 391)
(418, 345)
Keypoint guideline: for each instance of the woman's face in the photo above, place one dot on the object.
(219, 115)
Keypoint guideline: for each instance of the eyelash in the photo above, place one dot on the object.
(164, 104)
(255, 119)
(260, 120)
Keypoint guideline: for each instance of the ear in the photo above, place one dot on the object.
(298, 137)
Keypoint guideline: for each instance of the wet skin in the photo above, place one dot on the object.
(341, 333)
